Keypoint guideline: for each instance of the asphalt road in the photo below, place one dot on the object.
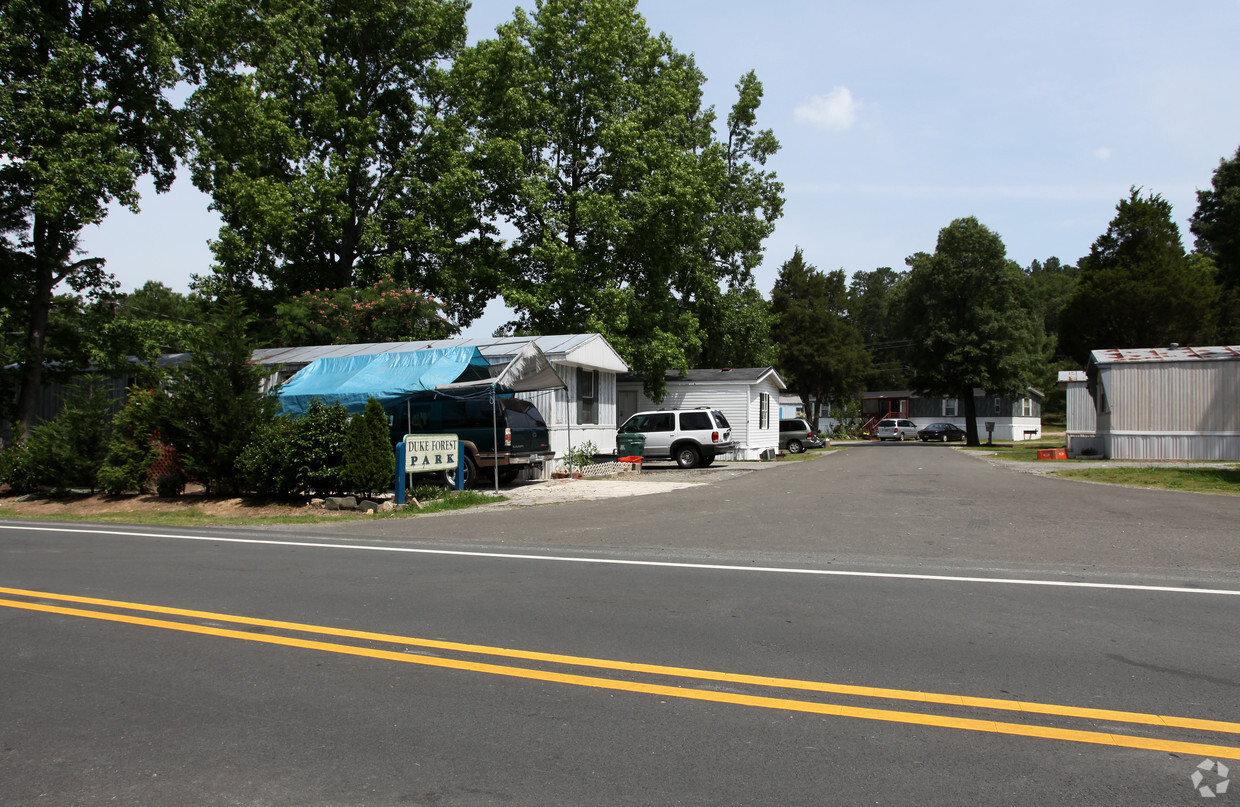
(892, 624)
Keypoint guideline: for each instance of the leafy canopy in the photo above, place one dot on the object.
(820, 352)
(629, 216)
(331, 147)
(1137, 287)
(1217, 227)
(966, 311)
(83, 115)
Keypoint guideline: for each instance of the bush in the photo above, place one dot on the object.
(133, 449)
(298, 455)
(369, 457)
(15, 468)
(317, 447)
(581, 455)
(266, 464)
(66, 451)
(169, 486)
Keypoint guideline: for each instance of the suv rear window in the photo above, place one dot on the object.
(695, 422)
(886, 423)
(523, 415)
(720, 419)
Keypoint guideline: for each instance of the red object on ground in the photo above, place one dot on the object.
(1052, 453)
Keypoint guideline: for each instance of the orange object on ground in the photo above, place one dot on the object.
(1052, 453)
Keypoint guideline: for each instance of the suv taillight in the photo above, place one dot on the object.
(714, 437)
(507, 438)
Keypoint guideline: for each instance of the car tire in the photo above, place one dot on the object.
(900, 436)
(471, 475)
(688, 456)
(944, 437)
(795, 447)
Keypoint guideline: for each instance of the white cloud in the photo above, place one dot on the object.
(1103, 153)
(833, 112)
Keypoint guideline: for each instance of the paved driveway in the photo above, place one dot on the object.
(872, 503)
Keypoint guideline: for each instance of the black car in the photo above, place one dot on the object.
(942, 432)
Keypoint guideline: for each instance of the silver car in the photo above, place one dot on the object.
(795, 436)
(896, 429)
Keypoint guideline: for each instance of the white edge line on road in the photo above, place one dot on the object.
(619, 562)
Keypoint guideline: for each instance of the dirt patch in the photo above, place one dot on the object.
(70, 506)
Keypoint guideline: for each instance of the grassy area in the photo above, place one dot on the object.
(1196, 480)
(1025, 451)
(806, 455)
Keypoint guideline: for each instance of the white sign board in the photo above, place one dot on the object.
(430, 452)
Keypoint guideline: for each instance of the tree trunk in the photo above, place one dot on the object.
(39, 311)
(970, 418)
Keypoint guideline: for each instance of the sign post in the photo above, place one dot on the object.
(420, 453)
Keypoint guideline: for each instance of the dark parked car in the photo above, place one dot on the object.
(510, 437)
(942, 432)
(795, 435)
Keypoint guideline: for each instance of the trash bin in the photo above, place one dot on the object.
(630, 445)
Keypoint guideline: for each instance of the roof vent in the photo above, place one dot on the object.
(1173, 346)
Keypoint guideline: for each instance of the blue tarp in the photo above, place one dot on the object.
(391, 378)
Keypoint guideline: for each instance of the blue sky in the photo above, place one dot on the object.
(897, 117)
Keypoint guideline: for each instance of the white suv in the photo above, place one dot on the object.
(896, 429)
(692, 437)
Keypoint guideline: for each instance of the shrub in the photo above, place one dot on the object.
(133, 448)
(171, 485)
(581, 455)
(316, 446)
(15, 468)
(369, 457)
(68, 450)
(267, 464)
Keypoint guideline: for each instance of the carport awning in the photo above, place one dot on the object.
(528, 371)
(391, 378)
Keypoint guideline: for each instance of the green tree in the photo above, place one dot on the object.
(214, 405)
(369, 456)
(736, 331)
(966, 310)
(821, 354)
(1137, 287)
(629, 214)
(870, 311)
(383, 312)
(129, 333)
(331, 149)
(1051, 284)
(1217, 227)
(83, 115)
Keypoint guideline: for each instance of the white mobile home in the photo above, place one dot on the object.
(587, 364)
(748, 398)
(1175, 403)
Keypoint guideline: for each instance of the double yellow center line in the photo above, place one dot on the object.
(43, 602)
